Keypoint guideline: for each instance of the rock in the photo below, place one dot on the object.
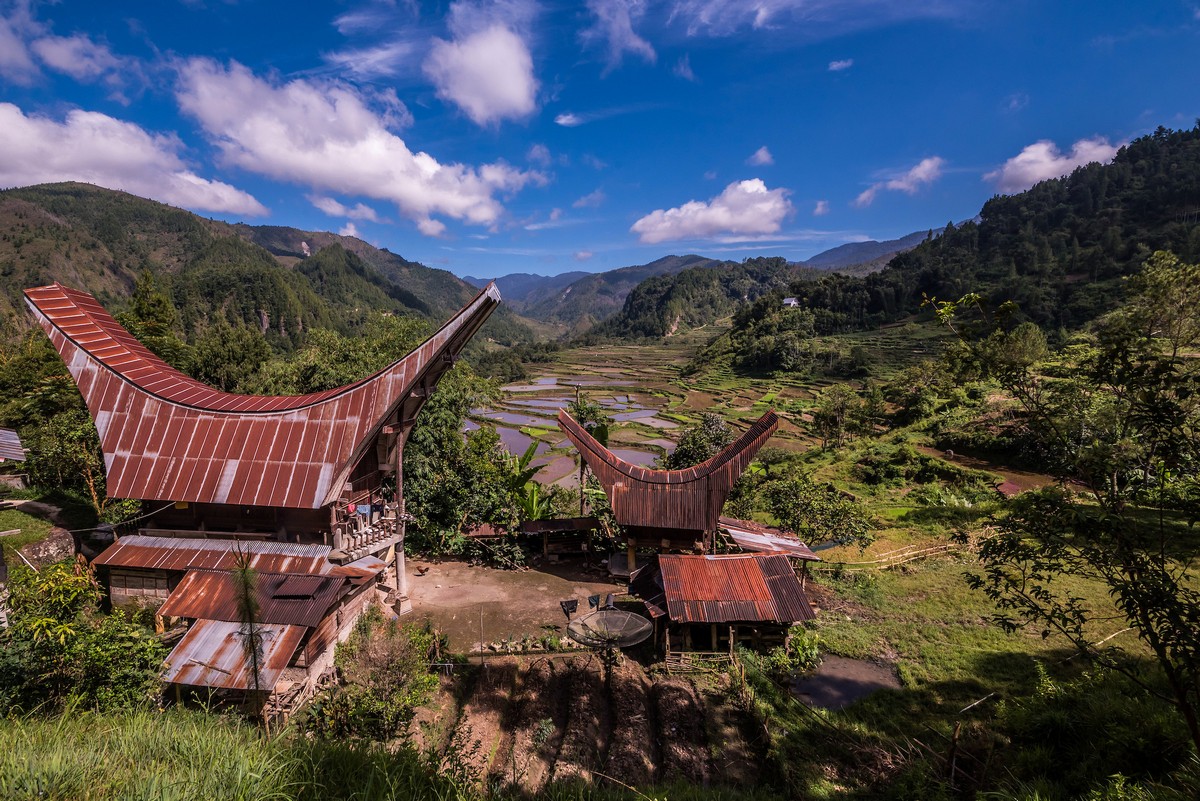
(57, 545)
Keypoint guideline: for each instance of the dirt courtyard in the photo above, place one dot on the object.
(515, 603)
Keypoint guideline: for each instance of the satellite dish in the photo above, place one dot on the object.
(610, 628)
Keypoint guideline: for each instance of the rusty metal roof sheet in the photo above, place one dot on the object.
(183, 553)
(10, 446)
(360, 571)
(689, 499)
(212, 654)
(166, 436)
(282, 597)
(751, 536)
(724, 589)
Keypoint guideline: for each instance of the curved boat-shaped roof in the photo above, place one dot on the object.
(166, 436)
(688, 499)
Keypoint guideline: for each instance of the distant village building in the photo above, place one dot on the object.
(701, 601)
(310, 487)
(791, 303)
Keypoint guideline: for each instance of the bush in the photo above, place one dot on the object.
(801, 655)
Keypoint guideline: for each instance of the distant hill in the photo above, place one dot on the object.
(280, 280)
(864, 255)
(522, 289)
(662, 305)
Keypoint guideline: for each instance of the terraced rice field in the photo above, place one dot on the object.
(527, 721)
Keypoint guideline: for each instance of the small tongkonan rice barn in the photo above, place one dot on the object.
(310, 484)
(701, 601)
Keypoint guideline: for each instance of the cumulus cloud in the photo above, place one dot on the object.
(360, 211)
(591, 200)
(821, 209)
(925, 172)
(613, 28)
(569, 119)
(331, 137)
(843, 64)
(683, 69)
(744, 208)
(760, 157)
(583, 255)
(488, 74)
(1043, 160)
(349, 229)
(95, 148)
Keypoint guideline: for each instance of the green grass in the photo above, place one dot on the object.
(33, 529)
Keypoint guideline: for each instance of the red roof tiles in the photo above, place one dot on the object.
(166, 436)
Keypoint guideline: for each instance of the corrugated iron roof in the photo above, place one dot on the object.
(212, 654)
(166, 436)
(751, 536)
(727, 588)
(689, 499)
(282, 597)
(360, 571)
(10, 446)
(181, 554)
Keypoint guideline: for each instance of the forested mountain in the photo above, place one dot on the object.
(595, 297)
(1059, 250)
(697, 296)
(281, 281)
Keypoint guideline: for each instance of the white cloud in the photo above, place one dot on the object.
(613, 27)
(591, 200)
(539, 154)
(925, 172)
(843, 64)
(760, 157)
(16, 62)
(683, 69)
(488, 74)
(710, 175)
(556, 214)
(1043, 160)
(349, 229)
(812, 18)
(95, 148)
(331, 137)
(380, 61)
(583, 255)
(743, 208)
(821, 209)
(569, 120)
(593, 162)
(360, 211)
(77, 56)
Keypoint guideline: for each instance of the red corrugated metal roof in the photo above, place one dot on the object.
(181, 554)
(751, 536)
(166, 436)
(729, 588)
(689, 499)
(212, 654)
(360, 571)
(282, 597)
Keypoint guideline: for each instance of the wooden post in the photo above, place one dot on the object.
(403, 604)
(632, 554)
(481, 649)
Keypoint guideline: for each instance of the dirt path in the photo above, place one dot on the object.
(515, 603)
(484, 713)
(539, 718)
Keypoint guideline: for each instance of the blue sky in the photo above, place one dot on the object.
(523, 136)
